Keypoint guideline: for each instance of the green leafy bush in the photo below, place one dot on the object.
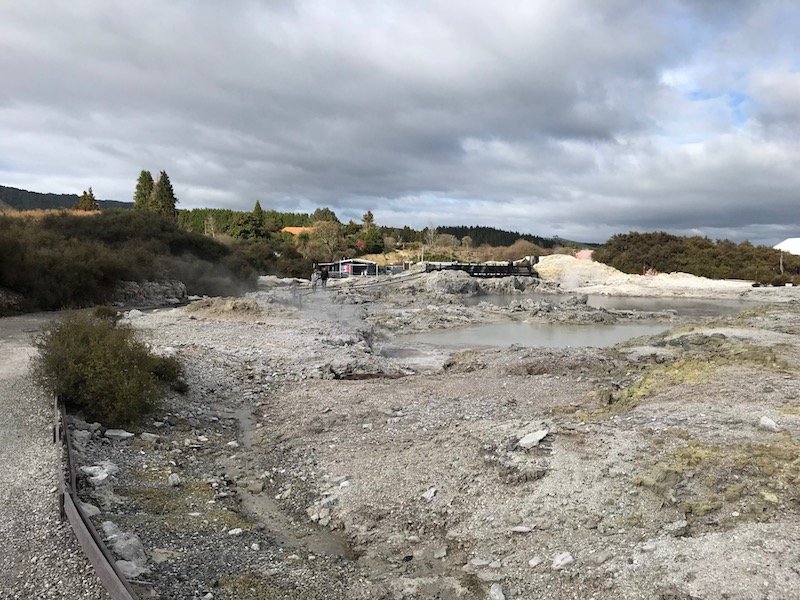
(101, 370)
(721, 259)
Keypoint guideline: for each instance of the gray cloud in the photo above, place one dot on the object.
(579, 118)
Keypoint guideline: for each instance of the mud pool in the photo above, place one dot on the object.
(550, 335)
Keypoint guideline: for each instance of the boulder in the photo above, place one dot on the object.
(118, 435)
(149, 293)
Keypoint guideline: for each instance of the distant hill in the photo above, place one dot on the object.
(25, 200)
(500, 237)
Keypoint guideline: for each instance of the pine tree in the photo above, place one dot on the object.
(368, 220)
(258, 212)
(162, 199)
(87, 201)
(144, 189)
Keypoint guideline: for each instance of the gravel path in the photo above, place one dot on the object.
(39, 556)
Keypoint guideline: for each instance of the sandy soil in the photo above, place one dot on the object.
(315, 463)
(588, 277)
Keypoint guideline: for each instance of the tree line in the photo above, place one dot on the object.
(480, 235)
(717, 259)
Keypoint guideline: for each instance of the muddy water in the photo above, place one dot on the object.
(551, 335)
(287, 533)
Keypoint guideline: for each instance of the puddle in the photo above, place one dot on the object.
(551, 335)
(310, 539)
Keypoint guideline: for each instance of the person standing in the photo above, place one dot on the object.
(314, 279)
(323, 277)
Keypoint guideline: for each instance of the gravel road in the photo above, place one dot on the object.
(39, 556)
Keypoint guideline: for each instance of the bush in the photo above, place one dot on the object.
(109, 313)
(66, 261)
(101, 370)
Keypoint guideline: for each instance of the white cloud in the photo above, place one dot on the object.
(593, 116)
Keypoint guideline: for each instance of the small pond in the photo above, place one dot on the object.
(552, 335)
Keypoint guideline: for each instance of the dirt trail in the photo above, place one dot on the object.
(39, 557)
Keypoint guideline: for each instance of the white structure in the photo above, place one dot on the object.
(350, 266)
(790, 245)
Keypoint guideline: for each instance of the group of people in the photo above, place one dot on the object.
(319, 277)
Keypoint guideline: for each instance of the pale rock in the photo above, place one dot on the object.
(149, 437)
(479, 562)
(118, 435)
(535, 561)
(90, 510)
(768, 424)
(109, 528)
(562, 560)
(601, 557)
(100, 472)
(128, 546)
(235, 531)
(174, 480)
(233, 444)
(496, 592)
(532, 440)
(678, 528)
(521, 529)
(489, 576)
(130, 570)
(429, 494)
(440, 552)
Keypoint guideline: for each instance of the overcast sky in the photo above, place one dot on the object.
(577, 118)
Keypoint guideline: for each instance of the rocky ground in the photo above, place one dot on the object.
(317, 455)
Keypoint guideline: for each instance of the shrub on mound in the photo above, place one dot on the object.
(101, 370)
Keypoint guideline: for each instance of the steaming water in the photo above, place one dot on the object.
(551, 335)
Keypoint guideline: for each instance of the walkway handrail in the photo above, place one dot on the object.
(96, 551)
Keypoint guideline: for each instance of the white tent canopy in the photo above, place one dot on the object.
(790, 245)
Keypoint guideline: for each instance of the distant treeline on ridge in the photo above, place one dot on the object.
(494, 237)
(25, 200)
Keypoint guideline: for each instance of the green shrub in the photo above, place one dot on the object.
(109, 313)
(67, 261)
(101, 370)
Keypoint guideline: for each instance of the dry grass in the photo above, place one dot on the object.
(253, 586)
(173, 505)
(698, 366)
(41, 213)
(760, 481)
